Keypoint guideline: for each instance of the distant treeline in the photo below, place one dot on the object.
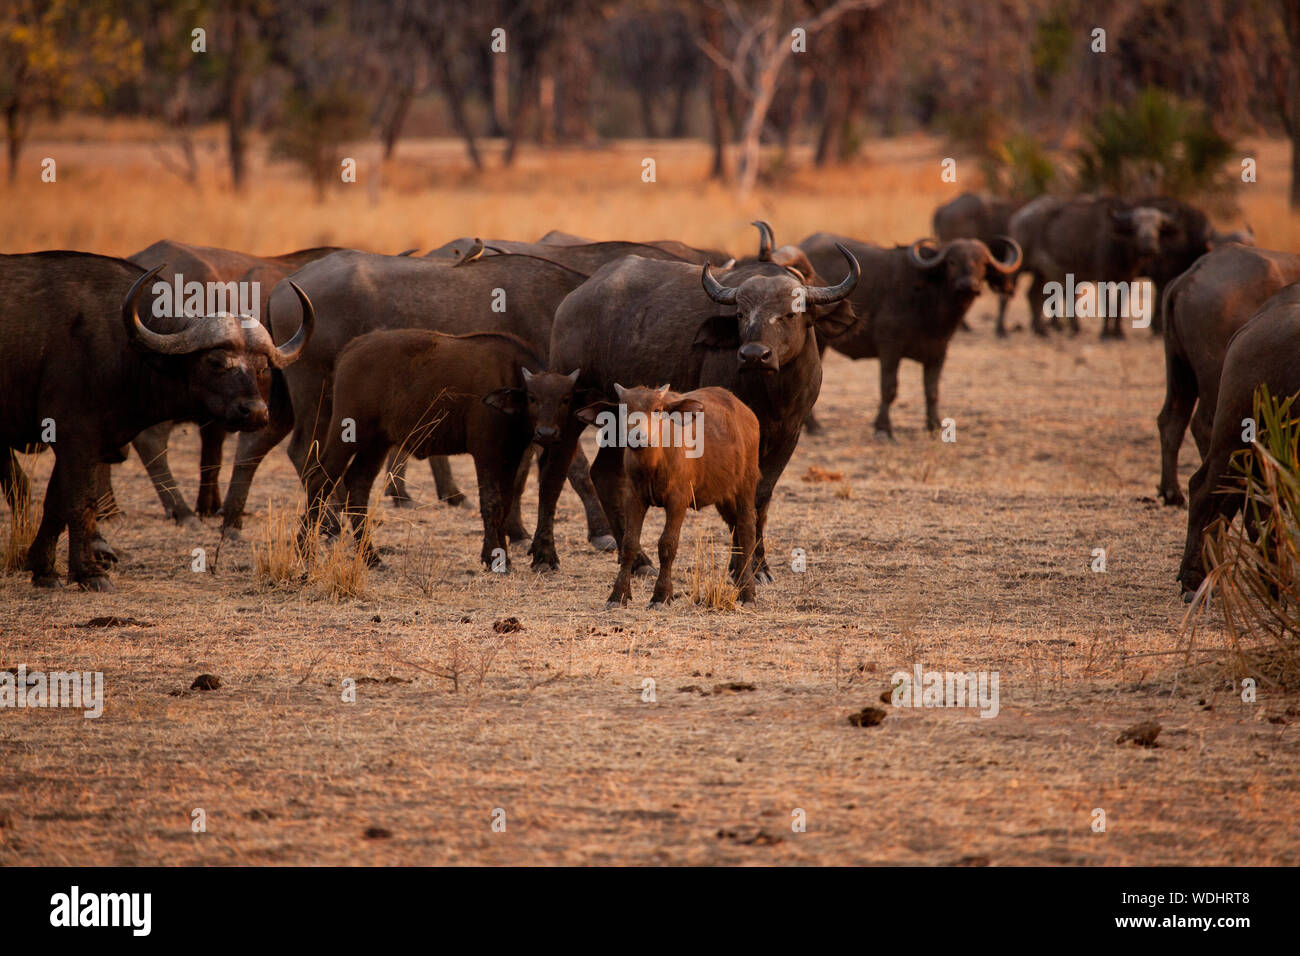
(1005, 79)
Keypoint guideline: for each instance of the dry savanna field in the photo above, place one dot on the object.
(974, 555)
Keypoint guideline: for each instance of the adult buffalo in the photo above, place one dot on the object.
(227, 271)
(642, 321)
(1091, 239)
(81, 371)
(909, 303)
(986, 218)
(358, 292)
(1204, 308)
(1263, 352)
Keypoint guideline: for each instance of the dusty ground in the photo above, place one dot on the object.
(974, 556)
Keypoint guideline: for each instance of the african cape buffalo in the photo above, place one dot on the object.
(1204, 308)
(484, 393)
(76, 358)
(986, 218)
(208, 264)
(909, 304)
(1263, 352)
(750, 330)
(1094, 240)
(661, 472)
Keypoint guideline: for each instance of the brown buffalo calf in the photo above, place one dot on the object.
(427, 393)
(681, 451)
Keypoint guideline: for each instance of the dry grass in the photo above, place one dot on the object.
(710, 575)
(23, 522)
(965, 556)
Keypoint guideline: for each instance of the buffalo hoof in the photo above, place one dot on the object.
(658, 605)
(231, 534)
(518, 535)
(747, 601)
(189, 522)
(102, 550)
(612, 605)
(885, 436)
(763, 576)
(404, 503)
(47, 581)
(96, 582)
(1174, 499)
(455, 500)
(604, 542)
(646, 570)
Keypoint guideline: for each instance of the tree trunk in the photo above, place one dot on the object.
(456, 104)
(719, 126)
(13, 130)
(237, 98)
(396, 119)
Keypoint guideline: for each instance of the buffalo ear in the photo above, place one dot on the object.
(589, 413)
(836, 321)
(719, 332)
(507, 399)
(686, 405)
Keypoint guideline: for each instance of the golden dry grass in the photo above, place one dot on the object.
(972, 555)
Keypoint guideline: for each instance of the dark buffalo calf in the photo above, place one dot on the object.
(427, 393)
(664, 473)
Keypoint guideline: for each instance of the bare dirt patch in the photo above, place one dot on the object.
(967, 556)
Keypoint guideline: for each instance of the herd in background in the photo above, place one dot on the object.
(501, 349)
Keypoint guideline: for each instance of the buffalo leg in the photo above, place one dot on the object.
(611, 486)
(1033, 298)
(931, 375)
(668, 543)
(105, 501)
(151, 446)
(440, 466)
(888, 392)
(395, 479)
(1180, 397)
(598, 529)
(1004, 299)
(742, 524)
(1205, 506)
(514, 518)
(249, 452)
(40, 555)
(358, 481)
(496, 482)
(554, 465)
(211, 438)
(629, 550)
(85, 565)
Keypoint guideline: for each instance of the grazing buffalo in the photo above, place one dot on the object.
(81, 371)
(697, 449)
(988, 219)
(909, 304)
(751, 331)
(1263, 352)
(483, 393)
(227, 271)
(358, 292)
(1204, 308)
(1091, 240)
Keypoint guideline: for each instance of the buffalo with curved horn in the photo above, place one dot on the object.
(86, 376)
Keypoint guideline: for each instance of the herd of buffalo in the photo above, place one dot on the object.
(499, 349)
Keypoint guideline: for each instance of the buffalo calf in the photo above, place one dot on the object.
(690, 450)
(427, 393)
